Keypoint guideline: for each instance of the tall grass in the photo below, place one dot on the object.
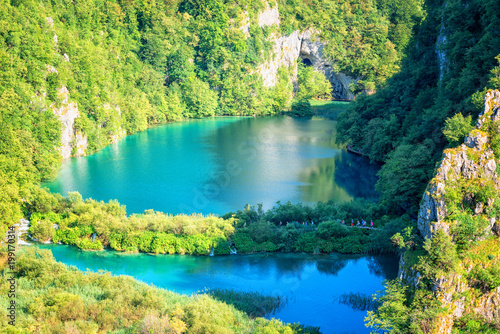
(357, 301)
(254, 304)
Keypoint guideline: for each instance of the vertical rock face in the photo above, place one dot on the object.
(305, 46)
(270, 16)
(286, 50)
(67, 113)
(311, 51)
(475, 161)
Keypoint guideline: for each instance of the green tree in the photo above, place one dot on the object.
(457, 128)
(200, 100)
(312, 83)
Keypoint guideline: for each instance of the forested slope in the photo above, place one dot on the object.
(449, 279)
(448, 65)
(109, 68)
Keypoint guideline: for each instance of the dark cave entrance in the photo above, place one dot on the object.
(306, 62)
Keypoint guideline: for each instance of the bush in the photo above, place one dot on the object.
(467, 230)
(486, 279)
(457, 128)
(267, 246)
(302, 108)
(221, 247)
(441, 255)
(42, 230)
(87, 244)
(307, 242)
(244, 243)
(332, 229)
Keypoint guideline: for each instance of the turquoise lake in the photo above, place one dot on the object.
(221, 164)
(310, 282)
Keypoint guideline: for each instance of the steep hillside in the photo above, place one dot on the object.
(447, 66)
(76, 76)
(450, 270)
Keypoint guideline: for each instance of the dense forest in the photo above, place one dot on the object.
(447, 69)
(131, 64)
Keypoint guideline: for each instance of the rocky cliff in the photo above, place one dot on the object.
(303, 46)
(462, 200)
(74, 143)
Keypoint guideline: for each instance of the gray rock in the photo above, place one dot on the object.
(67, 113)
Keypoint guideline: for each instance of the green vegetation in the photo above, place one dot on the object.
(92, 225)
(321, 108)
(367, 39)
(128, 65)
(54, 298)
(458, 263)
(457, 128)
(312, 83)
(252, 303)
(401, 124)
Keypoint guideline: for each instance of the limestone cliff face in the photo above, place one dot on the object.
(73, 143)
(304, 45)
(474, 160)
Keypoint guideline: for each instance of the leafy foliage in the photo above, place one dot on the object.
(406, 115)
(457, 128)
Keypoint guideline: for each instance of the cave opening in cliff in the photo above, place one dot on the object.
(306, 62)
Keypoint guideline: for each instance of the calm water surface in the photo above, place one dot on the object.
(219, 165)
(311, 282)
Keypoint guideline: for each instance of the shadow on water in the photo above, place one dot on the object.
(357, 175)
(383, 266)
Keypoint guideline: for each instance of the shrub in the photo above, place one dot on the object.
(221, 246)
(456, 128)
(88, 244)
(467, 230)
(244, 243)
(42, 230)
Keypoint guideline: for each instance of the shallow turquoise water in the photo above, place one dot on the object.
(311, 282)
(220, 165)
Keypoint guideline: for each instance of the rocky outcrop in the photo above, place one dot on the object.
(67, 113)
(270, 16)
(474, 160)
(303, 46)
(311, 51)
(286, 50)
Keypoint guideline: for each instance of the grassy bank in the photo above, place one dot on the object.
(51, 297)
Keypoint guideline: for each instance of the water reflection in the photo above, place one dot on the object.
(219, 165)
(310, 282)
(382, 266)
